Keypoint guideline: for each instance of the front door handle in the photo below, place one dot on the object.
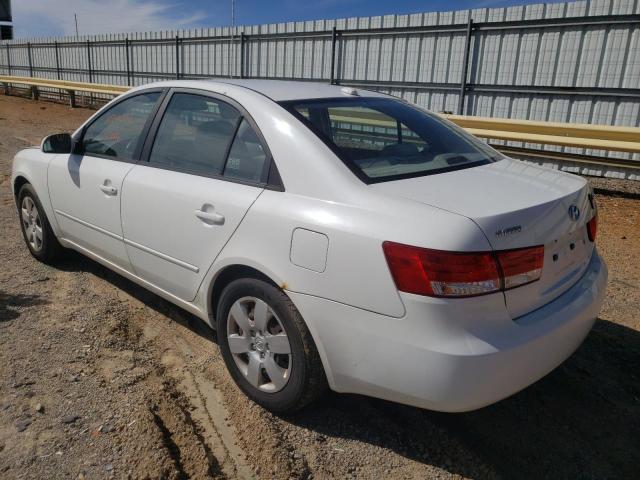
(108, 189)
(210, 218)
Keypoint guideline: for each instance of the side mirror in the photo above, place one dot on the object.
(57, 143)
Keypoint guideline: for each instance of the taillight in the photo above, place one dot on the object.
(438, 273)
(520, 266)
(592, 227)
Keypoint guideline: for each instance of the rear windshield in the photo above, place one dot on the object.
(382, 139)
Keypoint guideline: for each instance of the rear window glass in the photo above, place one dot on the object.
(384, 139)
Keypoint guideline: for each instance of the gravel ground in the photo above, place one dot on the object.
(101, 379)
(616, 187)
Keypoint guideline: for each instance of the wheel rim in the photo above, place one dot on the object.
(259, 344)
(31, 223)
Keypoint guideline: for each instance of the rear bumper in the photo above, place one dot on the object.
(451, 355)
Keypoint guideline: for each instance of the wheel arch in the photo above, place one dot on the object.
(225, 276)
(39, 185)
(18, 183)
(233, 271)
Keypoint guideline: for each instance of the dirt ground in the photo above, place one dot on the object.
(101, 379)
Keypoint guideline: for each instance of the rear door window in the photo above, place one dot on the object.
(195, 135)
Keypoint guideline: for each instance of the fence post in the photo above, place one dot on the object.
(29, 57)
(177, 57)
(8, 60)
(465, 67)
(334, 34)
(89, 61)
(126, 48)
(72, 98)
(58, 74)
(242, 40)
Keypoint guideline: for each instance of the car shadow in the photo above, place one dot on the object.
(75, 262)
(11, 305)
(580, 421)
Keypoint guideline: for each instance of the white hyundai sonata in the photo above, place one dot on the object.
(333, 237)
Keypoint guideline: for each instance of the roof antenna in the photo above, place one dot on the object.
(350, 91)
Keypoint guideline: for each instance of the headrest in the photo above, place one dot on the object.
(189, 102)
(216, 127)
(401, 149)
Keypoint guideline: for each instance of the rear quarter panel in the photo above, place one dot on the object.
(356, 271)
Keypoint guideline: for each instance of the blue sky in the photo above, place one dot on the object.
(55, 17)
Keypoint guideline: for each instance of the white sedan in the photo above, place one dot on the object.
(333, 237)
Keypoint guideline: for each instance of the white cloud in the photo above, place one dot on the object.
(55, 17)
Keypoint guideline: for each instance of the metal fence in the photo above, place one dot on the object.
(573, 62)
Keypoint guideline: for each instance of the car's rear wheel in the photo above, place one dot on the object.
(36, 230)
(267, 346)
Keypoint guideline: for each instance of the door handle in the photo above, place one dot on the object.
(210, 217)
(109, 189)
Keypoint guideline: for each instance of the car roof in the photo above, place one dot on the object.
(282, 90)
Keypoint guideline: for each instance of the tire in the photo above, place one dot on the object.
(281, 383)
(33, 220)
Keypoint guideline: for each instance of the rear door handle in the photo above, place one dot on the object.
(211, 218)
(109, 189)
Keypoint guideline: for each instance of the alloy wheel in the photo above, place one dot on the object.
(259, 344)
(31, 223)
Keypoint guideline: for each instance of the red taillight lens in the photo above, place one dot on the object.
(592, 228)
(438, 273)
(521, 266)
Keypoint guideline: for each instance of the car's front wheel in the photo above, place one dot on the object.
(37, 232)
(267, 346)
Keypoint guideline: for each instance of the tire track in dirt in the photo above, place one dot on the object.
(249, 441)
(168, 407)
(206, 405)
(199, 413)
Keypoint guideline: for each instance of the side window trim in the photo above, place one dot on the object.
(273, 180)
(153, 128)
(143, 134)
(233, 140)
(267, 166)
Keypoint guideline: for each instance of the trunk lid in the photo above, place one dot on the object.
(516, 205)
